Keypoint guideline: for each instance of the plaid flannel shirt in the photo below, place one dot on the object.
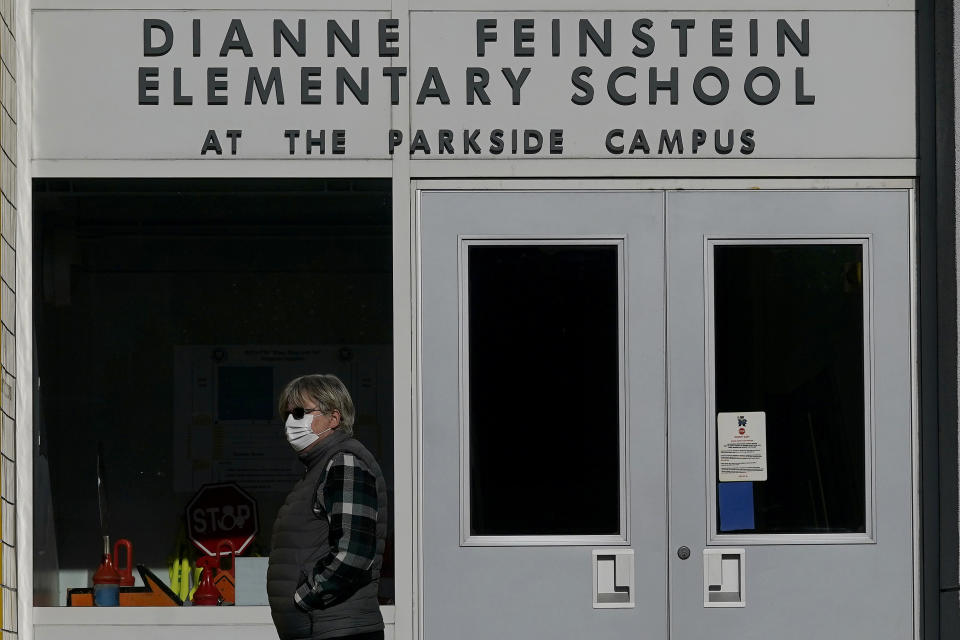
(347, 497)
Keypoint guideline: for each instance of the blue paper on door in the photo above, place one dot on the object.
(735, 505)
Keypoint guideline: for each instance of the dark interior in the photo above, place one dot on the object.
(790, 342)
(141, 282)
(544, 390)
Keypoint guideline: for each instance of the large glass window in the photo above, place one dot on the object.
(789, 342)
(544, 389)
(169, 314)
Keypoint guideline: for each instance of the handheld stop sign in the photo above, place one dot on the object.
(221, 512)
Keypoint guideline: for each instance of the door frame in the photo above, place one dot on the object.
(505, 184)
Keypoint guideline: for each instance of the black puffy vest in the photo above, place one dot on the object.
(301, 538)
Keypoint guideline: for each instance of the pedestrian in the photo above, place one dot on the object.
(329, 536)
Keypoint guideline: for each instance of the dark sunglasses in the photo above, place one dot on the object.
(299, 412)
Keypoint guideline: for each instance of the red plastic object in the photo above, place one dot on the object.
(126, 569)
(106, 573)
(106, 584)
(226, 578)
(225, 549)
(207, 593)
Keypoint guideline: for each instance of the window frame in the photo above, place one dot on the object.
(466, 538)
(713, 535)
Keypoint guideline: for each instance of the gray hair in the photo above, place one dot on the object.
(326, 390)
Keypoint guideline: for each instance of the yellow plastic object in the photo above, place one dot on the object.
(185, 571)
(180, 577)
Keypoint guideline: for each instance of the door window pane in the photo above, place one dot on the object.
(789, 340)
(544, 389)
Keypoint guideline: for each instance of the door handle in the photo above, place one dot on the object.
(723, 578)
(613, 578)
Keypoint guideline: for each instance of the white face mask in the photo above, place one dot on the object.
(299, 434)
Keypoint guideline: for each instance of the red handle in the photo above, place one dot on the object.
(125, 568)
(226, 548)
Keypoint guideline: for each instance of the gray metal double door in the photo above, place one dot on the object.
(599, 493)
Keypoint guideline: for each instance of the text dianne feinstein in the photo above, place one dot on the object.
(622, 85)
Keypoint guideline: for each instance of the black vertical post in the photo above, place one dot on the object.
(937, 329)
(949, 549)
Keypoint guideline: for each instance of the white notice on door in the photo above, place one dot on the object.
(742, 446)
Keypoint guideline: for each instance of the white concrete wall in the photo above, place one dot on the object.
(182, 623)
